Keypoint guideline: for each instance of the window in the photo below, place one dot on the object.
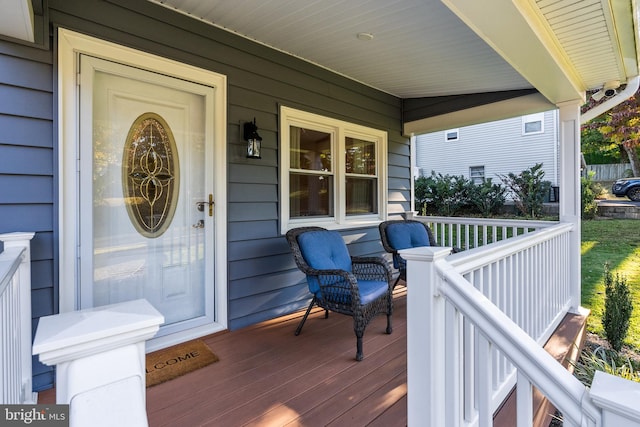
(532, 124)
(476, 174)
(451, 135)
(333, 173)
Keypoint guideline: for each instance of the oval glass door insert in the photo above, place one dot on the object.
(150, 175)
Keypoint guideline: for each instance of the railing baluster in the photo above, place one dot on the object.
(524, 401)
(469, 371)
(485, 383)
(464, 244)
(454, 370)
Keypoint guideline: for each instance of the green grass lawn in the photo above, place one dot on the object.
(617, 242)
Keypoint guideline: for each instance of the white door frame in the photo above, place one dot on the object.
(70, 46)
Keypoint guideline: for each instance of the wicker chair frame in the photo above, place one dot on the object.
(333, 284)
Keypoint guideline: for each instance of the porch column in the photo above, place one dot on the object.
(570, 209)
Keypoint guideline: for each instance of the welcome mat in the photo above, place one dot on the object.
(164, 365)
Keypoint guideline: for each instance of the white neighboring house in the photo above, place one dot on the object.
(490, 149)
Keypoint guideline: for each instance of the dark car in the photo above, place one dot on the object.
(629, 187)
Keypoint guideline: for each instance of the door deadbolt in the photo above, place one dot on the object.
(200, 205)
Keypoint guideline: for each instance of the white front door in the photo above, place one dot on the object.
(142, 152)
(145, 231)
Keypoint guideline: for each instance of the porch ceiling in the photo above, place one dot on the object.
(428, 48)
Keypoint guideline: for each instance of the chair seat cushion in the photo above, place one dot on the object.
(371, 290)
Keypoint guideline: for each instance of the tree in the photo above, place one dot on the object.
(621, 126)
(596, 149)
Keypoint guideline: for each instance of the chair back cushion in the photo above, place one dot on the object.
(403, 235)
(325, 250)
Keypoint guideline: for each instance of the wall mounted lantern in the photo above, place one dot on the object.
(254, 141)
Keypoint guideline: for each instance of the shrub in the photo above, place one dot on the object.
(617, 309)
(421, 194)
(444, 195)
(590, 190)
(528, 189)
(487, 197)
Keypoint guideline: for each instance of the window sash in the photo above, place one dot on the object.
(361, 195)
(311, 195)
(476, 173)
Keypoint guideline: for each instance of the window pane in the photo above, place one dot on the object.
(361, 196)
(476, 173)
(310, 149)
(451, 135)
(532, 127)
(360, 156)
(310, 195)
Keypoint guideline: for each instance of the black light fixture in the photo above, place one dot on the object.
(254, 141)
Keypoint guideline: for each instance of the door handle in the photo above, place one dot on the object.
(199, 224)
(200, 205)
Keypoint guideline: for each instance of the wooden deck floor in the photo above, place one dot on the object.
(266, 376)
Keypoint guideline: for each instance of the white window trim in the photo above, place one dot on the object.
(339, 130)
(530, 118)
(448, 131)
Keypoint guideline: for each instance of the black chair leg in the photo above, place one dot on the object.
(304, 318)
(396, 282)
(389, 327)
(359, 355)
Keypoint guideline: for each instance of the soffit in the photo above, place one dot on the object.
(419, 48)
(425, 48)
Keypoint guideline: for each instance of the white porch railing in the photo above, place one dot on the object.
(526, 278)
(15, 320)
(475, 324)
(468, 233)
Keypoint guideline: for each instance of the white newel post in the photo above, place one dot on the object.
(425, 338)
(99, 355)
(23, 240)
(618, 399)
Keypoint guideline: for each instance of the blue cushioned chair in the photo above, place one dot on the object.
(403, 234)
(355, 286)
